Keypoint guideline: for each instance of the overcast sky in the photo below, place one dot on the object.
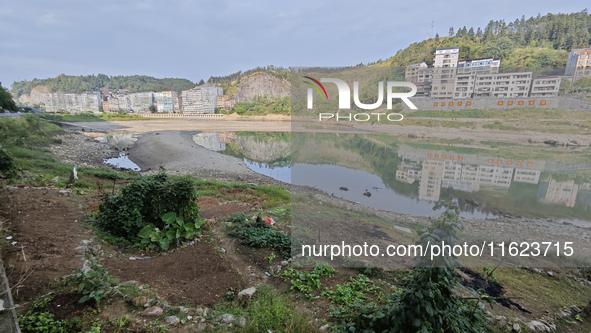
(197, 39)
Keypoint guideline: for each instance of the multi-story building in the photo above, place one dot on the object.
(483, 65)
(61, 102)
(412, 71)
(444, 71)
(201, 99)
(578, 64)
(546, 86)
(141, 102)
(562, 193)
(225, 102)
(502, 85)
(424, 81)
(166, 101)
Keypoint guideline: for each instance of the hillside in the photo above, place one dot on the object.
(90, 83)
(542, 41)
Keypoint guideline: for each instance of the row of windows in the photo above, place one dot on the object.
(509, 103)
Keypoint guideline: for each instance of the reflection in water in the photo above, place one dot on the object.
(403, 178)
(122, 162)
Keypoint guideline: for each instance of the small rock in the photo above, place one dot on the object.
(132, 258)
(183, 309)
(189, 317)
(64, 193)
(284, 263)
(275, 270)
(172, 320)
(153, 311)
(502, 323)
(575, 309)
(324, 327)
(201, 327)
(80, 250)
(246, 293)
(130, 283)
(165, 307)
(550, 273)
(242, 322)
(226, 318)
(11, 188)
(516, 327)
(199, 311)
(138, 301)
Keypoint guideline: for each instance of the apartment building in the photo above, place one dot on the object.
(502, 85)
(106, 106)
(483, 65)
(547, 86)
(578, 64)
(201, 99)
(166, 101)
(411, 74)
(444, 71)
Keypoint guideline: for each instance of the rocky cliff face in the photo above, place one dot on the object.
(261, 84)
(35, 97)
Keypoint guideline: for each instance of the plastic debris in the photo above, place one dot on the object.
(268, 221)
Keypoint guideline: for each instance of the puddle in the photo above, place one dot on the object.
(122, 162)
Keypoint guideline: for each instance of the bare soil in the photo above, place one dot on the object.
(49, 228)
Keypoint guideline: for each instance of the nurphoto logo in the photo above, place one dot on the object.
(345, 98)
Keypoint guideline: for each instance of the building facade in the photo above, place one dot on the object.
(166, 101)
(578, 64)
(444, 71)
(547, 86)
(201, 99)
(411, 74)
(225, 102)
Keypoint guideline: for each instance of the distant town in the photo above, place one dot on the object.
(480, 78)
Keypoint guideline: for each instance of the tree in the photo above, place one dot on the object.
(451, 32)
(6, 101)
(152, 108)
(201, 82)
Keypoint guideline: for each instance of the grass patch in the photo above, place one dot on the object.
(499, 126)
(270, 311)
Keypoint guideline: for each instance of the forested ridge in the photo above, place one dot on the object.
(90, 83)
(541, 41)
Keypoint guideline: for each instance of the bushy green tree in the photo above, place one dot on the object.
(6, 101)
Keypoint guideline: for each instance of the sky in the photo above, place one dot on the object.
(195, 39)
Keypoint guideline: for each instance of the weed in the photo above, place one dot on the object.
(94, 283)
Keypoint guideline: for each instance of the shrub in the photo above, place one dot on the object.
(146, 201)
(176, 228)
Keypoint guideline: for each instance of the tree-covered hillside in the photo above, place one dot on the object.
(542, 41)
(90, 83)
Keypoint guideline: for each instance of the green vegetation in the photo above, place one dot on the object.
(498, 125)
(6, 102)
(143, 203)
(307, 282)
(257, 234)
(356, 289)
(91, 83)
(272, 312)
(38, 321)
(428, 302)
(92, 117)
(93, 283)
(174, 231)
(261, 106)
(542, 41)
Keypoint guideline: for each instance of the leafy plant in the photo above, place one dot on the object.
(174, 230)
(261, 235)
(349, 292)
(94, 283)
(306, 282)
(428, 302)
(44, 322)
(144, 202)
